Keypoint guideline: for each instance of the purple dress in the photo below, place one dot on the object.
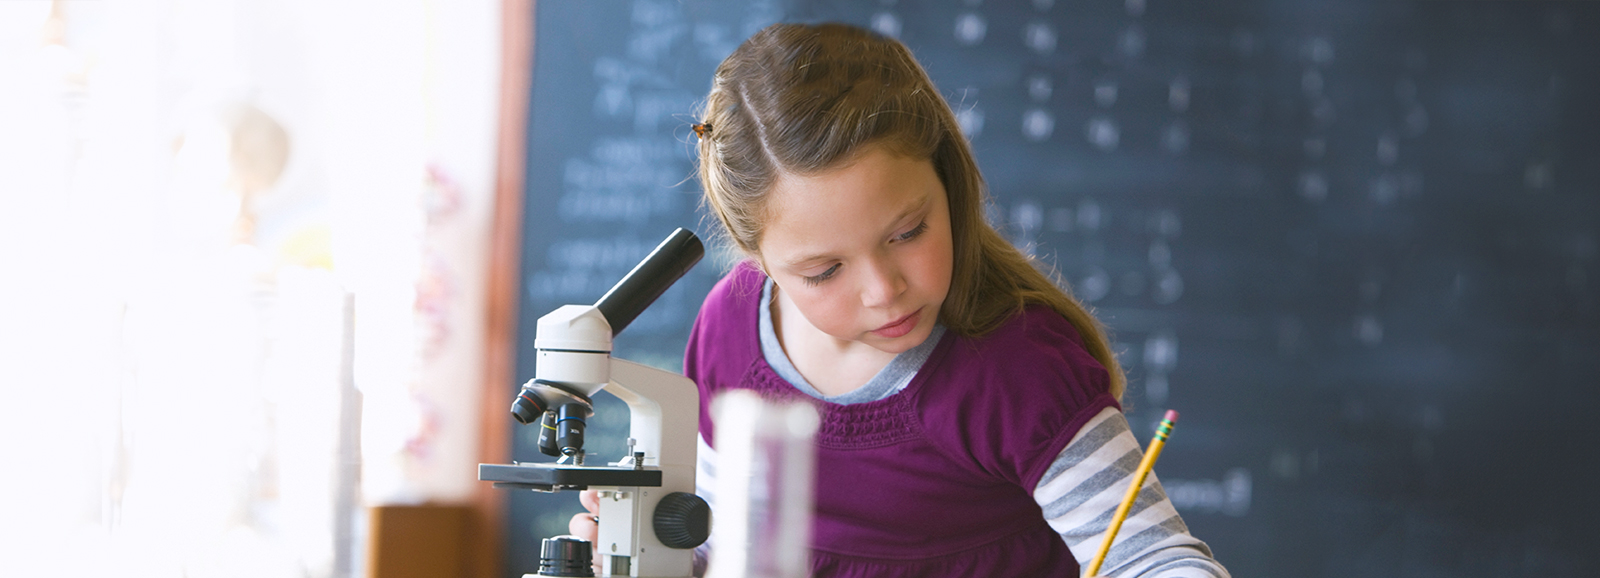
(936, 480)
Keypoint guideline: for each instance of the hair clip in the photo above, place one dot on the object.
(702, 130)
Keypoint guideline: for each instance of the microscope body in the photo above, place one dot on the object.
(650, 519)
(629, 516)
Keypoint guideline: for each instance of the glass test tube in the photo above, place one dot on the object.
(766, 464)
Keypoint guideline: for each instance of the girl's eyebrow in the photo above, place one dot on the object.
(920, 206)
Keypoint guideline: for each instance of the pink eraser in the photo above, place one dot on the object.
(1172, 416)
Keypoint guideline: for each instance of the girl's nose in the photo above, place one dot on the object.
(883, 284)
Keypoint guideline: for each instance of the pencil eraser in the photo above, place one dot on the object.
(1172, 416)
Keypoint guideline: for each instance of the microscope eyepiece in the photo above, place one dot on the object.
(650, 278)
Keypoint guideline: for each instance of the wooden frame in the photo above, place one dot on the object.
(485, 531)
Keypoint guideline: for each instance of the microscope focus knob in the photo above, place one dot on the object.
(682, 520)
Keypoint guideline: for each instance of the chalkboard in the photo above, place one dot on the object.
(1356, 244)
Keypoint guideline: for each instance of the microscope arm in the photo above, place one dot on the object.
(664, 410)
(664, 413)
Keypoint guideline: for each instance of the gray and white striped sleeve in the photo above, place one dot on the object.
(1082, 489)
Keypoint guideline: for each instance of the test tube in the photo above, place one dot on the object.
(766, 470)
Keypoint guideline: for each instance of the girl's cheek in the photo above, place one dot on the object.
(834, 311)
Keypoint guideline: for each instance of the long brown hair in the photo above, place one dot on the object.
(804, 99)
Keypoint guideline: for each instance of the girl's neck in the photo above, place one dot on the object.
(832, 366)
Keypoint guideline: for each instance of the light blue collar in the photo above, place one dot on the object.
(890, 380)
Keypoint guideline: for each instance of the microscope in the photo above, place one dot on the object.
(650, 519)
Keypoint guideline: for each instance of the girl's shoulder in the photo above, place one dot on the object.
(1037, 330)
(1036, 348)
(1011, 399)
(741, 285)
(734, 296)
(726, 331)
(1038, 323)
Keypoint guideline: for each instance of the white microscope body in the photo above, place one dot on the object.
(650, 519)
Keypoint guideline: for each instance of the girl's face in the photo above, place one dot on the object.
(863, 251)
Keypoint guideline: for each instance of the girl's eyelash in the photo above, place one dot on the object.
(815, 279)
(912, 234)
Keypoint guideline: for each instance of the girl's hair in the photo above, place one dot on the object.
(805, 99)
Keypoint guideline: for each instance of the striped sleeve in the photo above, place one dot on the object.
(1082, 489)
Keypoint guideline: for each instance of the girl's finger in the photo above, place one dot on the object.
(584, 526)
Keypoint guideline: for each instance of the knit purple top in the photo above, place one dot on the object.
(936, 480)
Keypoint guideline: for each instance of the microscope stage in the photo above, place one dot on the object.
(549, 477)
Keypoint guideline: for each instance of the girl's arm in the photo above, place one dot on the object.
(1084, 486)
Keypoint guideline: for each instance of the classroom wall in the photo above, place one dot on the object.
(1354, 243)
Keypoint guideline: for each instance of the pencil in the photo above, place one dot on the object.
(1156, 443)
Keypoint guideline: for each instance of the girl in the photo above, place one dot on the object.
(971, 421)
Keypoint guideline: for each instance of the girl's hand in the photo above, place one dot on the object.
(586, 525)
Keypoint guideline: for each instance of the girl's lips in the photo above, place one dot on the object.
(899, 326)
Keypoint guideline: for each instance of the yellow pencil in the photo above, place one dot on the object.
(1156, 443)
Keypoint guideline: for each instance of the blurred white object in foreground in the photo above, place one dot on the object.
(766, 469)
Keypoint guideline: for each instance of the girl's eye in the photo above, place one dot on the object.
(913, 233)
(823, 276)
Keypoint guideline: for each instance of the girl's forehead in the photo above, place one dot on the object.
(854, 204)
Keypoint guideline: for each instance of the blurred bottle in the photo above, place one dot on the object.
(766, 464)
